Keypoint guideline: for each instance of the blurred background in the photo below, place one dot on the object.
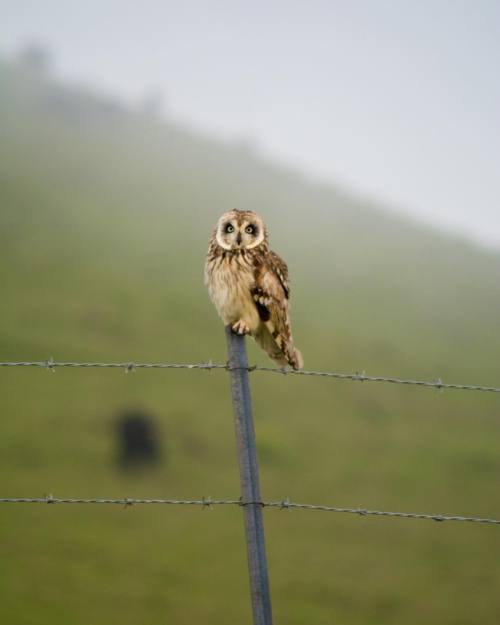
(366, 134)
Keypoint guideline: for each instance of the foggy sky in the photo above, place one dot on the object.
(397, 100)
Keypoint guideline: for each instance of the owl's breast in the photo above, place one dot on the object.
(229, 279)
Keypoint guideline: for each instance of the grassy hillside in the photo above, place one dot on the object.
(105, 216)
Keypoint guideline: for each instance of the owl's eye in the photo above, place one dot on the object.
(229, 228)
(250, 229)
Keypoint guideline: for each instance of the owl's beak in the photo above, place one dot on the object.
(238, 239)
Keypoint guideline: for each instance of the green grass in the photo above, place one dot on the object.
(105, 217)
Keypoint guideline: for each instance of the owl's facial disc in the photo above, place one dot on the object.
(238, 232)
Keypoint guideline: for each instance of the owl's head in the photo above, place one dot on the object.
(240, 230)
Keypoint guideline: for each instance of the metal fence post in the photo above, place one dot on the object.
(249, 479)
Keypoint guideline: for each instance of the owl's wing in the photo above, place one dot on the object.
(271, 293)
(271, 290)
(280, 269)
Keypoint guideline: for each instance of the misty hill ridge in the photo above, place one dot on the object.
(128, 188)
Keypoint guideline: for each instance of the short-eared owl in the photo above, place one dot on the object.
(248, 284)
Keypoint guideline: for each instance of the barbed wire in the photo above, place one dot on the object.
(128, 367)
(207, 502)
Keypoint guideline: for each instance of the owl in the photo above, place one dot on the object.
(248, 283)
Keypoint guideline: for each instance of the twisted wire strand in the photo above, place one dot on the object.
(285, 504)
(51, 365)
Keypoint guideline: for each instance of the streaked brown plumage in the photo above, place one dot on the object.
(248, 284)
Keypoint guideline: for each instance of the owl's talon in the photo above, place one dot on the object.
(241, 328)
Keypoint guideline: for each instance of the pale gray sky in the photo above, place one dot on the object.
(398, 99)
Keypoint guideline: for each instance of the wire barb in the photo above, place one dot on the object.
(206, 502)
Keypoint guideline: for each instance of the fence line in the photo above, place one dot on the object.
(285, 504)
(250, 499)
(51, 365)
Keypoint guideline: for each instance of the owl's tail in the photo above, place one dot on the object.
(282, 352)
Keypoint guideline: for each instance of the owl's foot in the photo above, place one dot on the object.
(240, 327)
